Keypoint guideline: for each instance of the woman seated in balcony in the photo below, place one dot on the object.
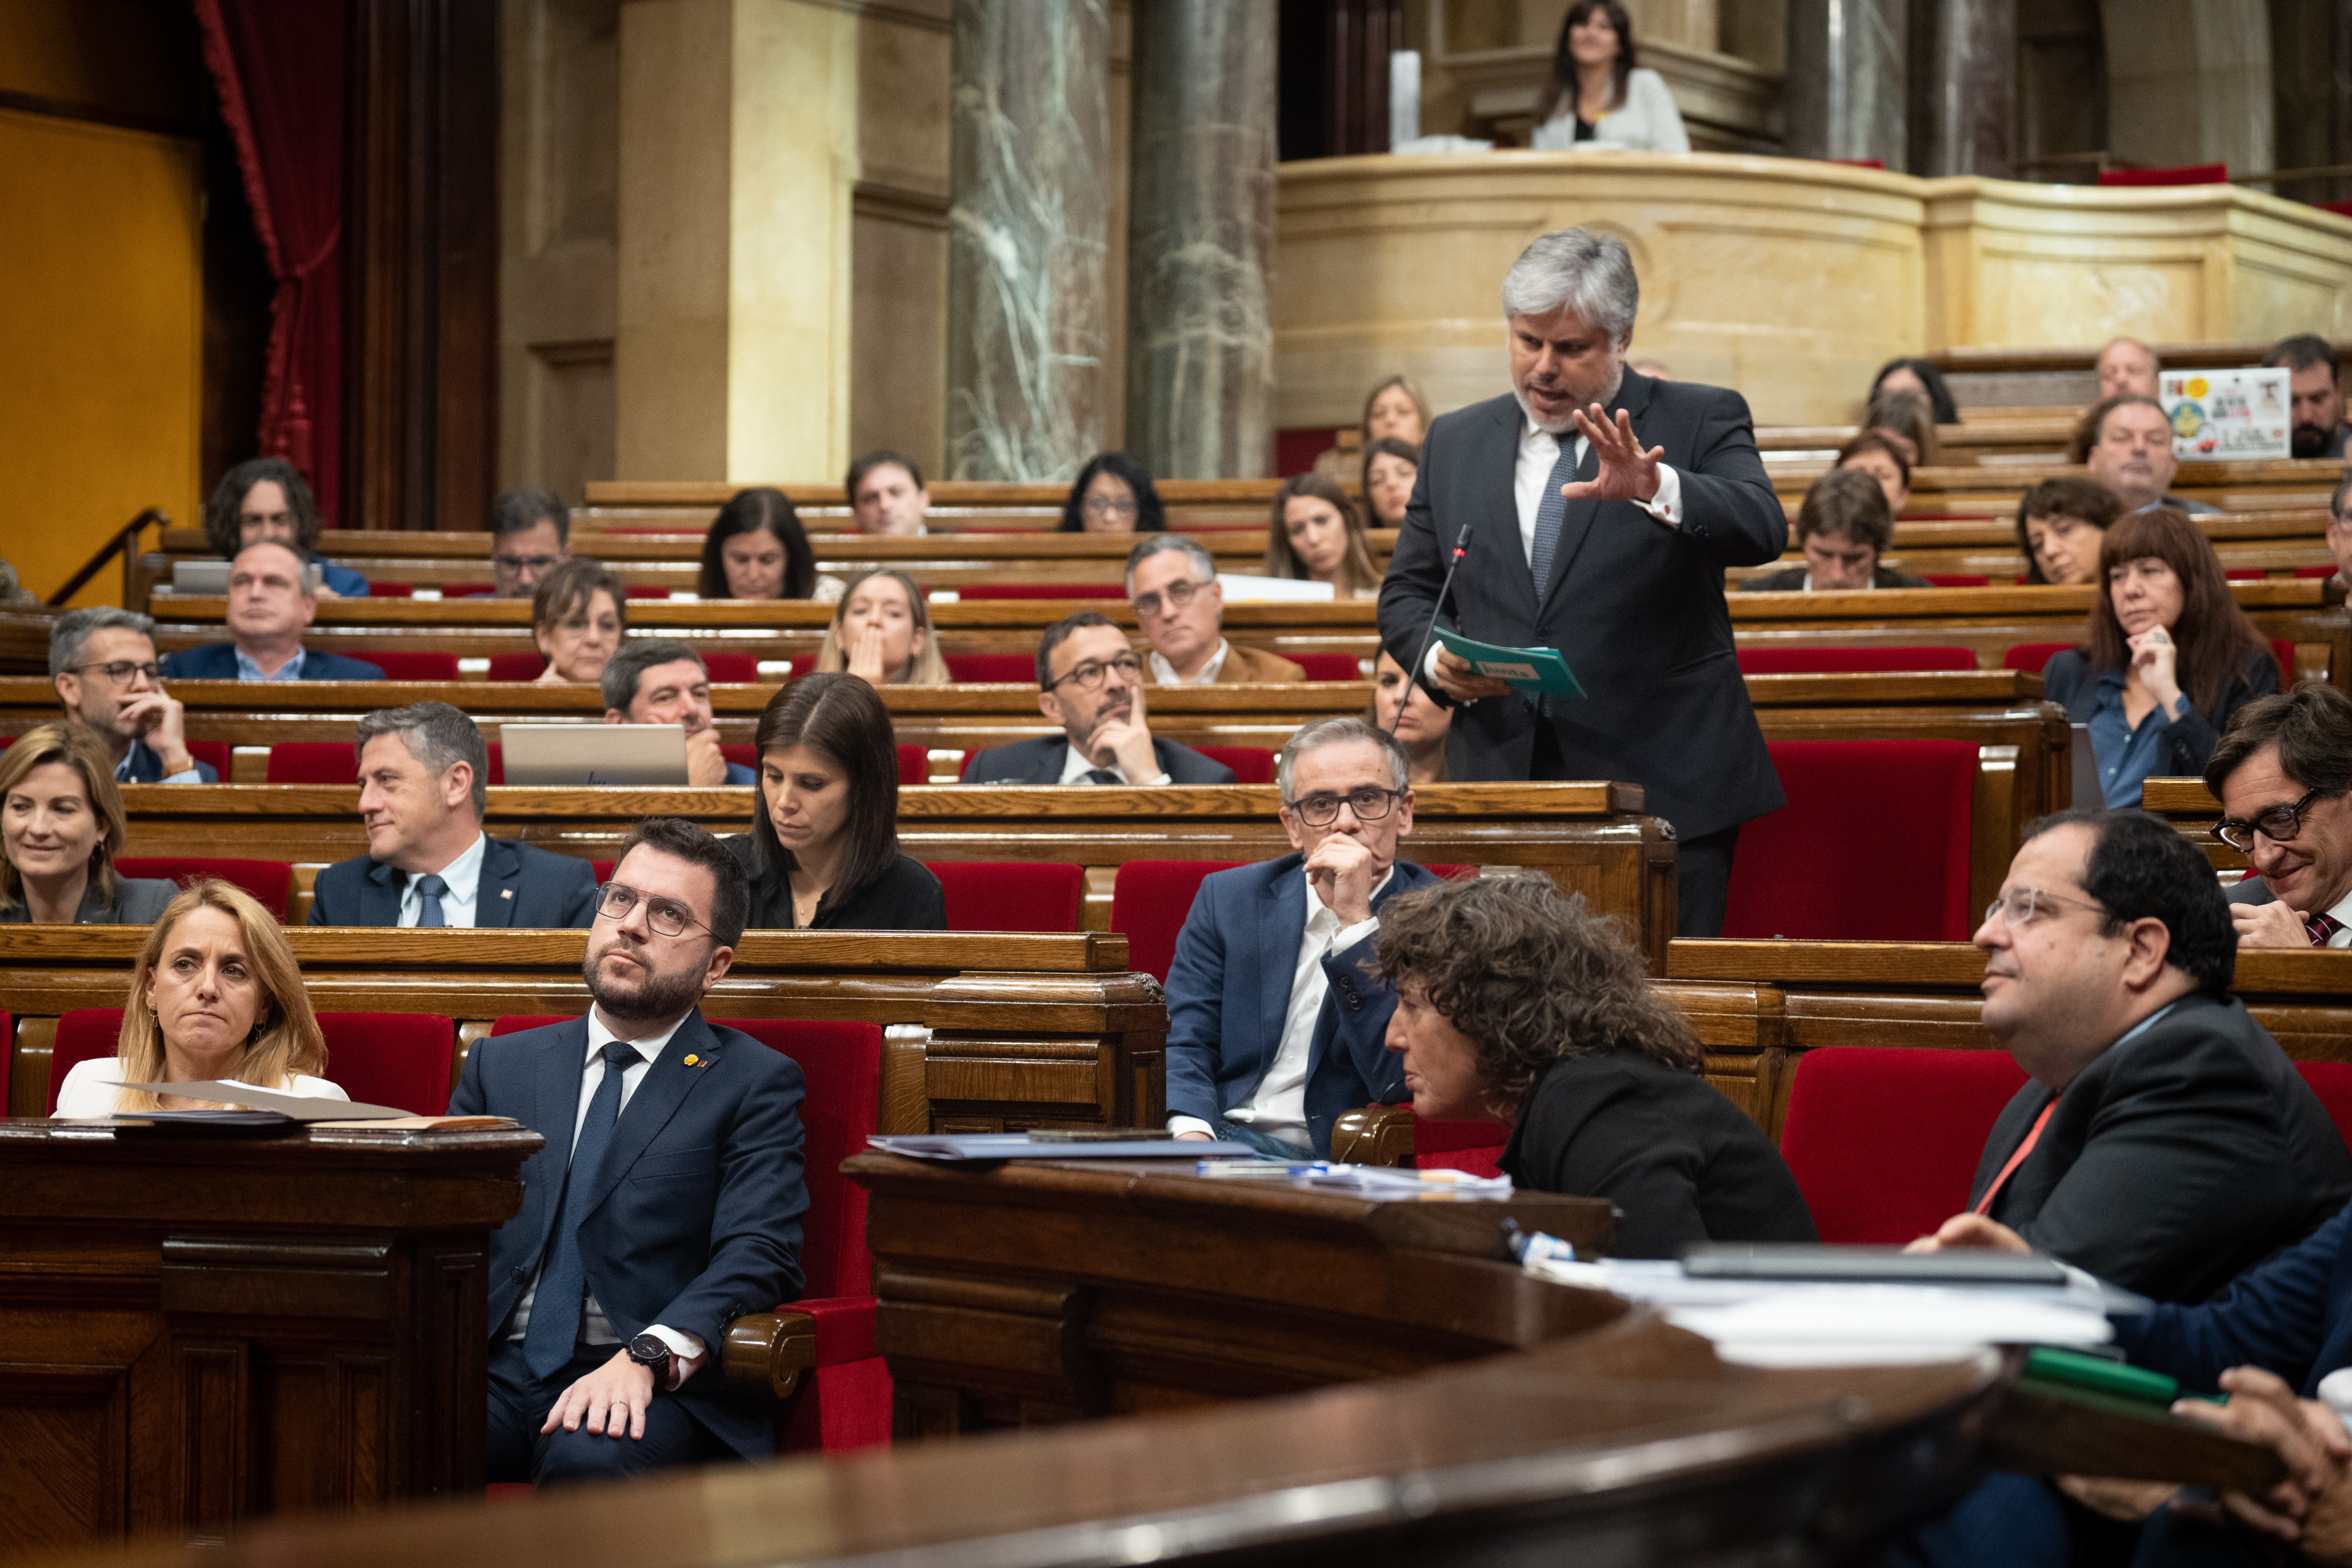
(1113, 494)
(1596, 97)
(1842, 528)
(823, 852)
(61, 824)
(578, 617)
(2059, 526)
(1422, 729)
(1517, 1005)
(882, 634)
(1390, 466)
(215, 995)
(1314, 537)
(756, 548)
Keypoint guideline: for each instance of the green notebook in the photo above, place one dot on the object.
(1522, 669)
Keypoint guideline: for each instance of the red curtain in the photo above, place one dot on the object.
(279, 67)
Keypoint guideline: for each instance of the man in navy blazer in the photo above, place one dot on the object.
(1091, 683)
(422, 792)
(268, 609)
(1273, 1029)
(666, 1202)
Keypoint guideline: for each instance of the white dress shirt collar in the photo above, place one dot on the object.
(1164, 672)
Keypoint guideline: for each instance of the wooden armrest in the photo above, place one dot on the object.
(1374, 1136)
(769, 1351)
(2046, 1430)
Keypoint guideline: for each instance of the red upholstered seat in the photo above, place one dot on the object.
(603, 869)
(1251, 764)
(1797, 874)
(377, 1059)
(1000, 669)
(743, 756)
(2332, 1082)
(390, 591)
(1042, 591)
(216, 753)
(846, 1403)
(336, 762)
(914, 765)
(2030, 656)
(419, 666)
(517, 666)
(1953, 579)
(7, 1052)
(1885, 1141)
(801, 663)
(647, 590)
(2283, 651)
(1012, 895)
(1472, 1146)
(2245, 574)
(269, 882)
(1843, 661)
(468, 590)
(2316, 571)
(2181, 174)
(732, 669)
(1328, 667)
(1148, 902)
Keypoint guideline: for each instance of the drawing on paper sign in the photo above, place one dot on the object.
(2226, 415)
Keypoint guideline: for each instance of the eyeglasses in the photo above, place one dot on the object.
(1368, 804)
(526, 563)
(666, 915)
(1111, 506)
(2279, 824)
(1089, 675)
(1180, 594)
(121, 671)
(2024, 906)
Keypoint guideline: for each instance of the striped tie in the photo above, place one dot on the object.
(1551, 511)
(2321, 927)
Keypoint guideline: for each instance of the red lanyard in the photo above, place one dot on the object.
(1984, 1203)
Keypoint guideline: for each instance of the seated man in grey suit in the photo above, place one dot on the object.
(2281, 773)
(424, 774)
(1091, 683)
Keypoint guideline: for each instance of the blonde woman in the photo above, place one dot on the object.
(1316, 537)
(882, 634)
(217, 994)
(62, 825)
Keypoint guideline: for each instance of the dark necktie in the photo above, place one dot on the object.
(1551, 511)
(429, 889)
(554, 1328)
(2321, 927)
(1101, 775)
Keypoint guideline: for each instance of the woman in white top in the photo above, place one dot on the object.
(217, 994)
(1595, 97)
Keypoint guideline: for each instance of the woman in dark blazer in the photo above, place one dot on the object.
(1517, 1005)
(823, 852)
(62, 825)
(2170, 657)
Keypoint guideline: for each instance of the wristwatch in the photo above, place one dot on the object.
(649, 1351)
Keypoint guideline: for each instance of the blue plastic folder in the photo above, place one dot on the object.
(1522, 669)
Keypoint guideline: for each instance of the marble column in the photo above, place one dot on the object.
(1028, 239)
(1200, 248)
(1971, 115)
(1847, 91)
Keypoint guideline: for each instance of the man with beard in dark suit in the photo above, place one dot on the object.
(1603, 506)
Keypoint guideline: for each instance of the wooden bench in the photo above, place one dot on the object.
(2190, 807)
(1025, 1031)
(1190, 503)
(2258, 485)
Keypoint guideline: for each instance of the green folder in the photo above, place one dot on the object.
(1522, 669)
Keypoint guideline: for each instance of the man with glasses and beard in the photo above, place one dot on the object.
(2317, 402)
(1091, 683)
(1274, 1027)
(666, 1202)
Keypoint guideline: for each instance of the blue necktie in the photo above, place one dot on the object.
(1551, 511)
(429, 889)
(554, 1328)
(1101, 775)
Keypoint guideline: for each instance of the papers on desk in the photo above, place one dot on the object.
(317, 1110)
(1770, 1322)
(1020, 1146)
(1384, 1184)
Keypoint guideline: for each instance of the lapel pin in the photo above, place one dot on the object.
(691, 1058)
(506, 893)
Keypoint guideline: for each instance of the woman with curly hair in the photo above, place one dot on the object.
(1518, 1004)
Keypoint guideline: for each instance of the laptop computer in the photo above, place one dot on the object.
(211, 577)
(580, 755)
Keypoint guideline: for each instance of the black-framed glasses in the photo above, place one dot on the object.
(667, 917)
(1089, 675)
(1368, 804)
(1109, 506)
(122, 672)
(1179, 594)
(526, 563)
(2278, 824)
(2024, 906)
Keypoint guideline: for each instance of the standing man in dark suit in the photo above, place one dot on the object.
(1603, 506)
(2282, 773)
(1091, 683)
(424, 774)
(1274, 1027)
(268, 609)
(667, 1201)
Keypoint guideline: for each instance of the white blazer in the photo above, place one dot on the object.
(1649, 121)
(86, 1093)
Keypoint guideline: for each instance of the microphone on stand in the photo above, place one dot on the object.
(1412, 672)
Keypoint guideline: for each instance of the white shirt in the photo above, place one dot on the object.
(687, 1351)
(2342, 914)
(1165, 672)
(1076, 765)
(461, 899)
(89, 1090)
(1278, 1108)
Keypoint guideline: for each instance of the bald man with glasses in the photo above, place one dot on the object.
(1090, 682)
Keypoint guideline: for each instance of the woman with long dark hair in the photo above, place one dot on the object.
(1113, 494)
(1596, 97)
(756, 548)
(2170, 657)
(823, 852)
(1315, 535)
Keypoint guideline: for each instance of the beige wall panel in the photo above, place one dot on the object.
(898, 388)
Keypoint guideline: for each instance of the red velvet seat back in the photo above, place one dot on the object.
(2181, 174)
(1953, 579)
(269, 882)
(217, 753)
(313, 762)
(1883, 1141)
(1328, 667)
(2332, 1082)
(732, 669)
(1845, 661)
(1148, 900)
(914, 765)
(999, 669)
(377, 1059)
(517, 666)
(2030, 656)
(1472, 1146)
(7, 1052)
(390, 591)
(1251, 764)
(1797, 872)
(82, 1034)
(1012, 895)
(414, 666)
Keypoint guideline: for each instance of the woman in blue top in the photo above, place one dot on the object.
(2170, 657)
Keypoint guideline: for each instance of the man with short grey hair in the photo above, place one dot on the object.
(424, 789)
(1171, 582)
(103, 662)
(1594, 510)
(1274, 1030)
